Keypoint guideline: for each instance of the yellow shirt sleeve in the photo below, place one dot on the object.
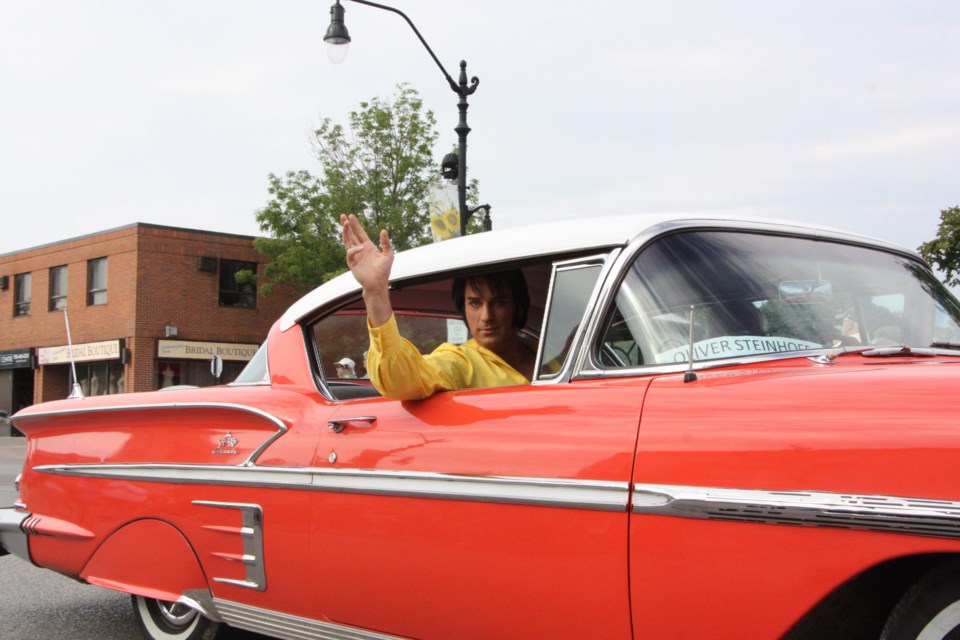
(399, 371)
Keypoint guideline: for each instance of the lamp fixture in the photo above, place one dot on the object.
(337, 36)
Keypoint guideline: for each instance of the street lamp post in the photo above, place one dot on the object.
(337, 39)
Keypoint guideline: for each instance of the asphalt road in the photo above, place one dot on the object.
(37, 604)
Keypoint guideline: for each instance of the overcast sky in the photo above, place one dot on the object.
(837, 112)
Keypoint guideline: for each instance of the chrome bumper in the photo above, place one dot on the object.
(13, 539)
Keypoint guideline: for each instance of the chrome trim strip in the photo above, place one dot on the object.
(547, 492)
(701, 366)
(289, 627)
(891, 514)
(277, 422)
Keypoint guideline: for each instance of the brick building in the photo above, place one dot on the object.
(147, 306)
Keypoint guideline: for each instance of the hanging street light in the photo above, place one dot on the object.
(454, 165)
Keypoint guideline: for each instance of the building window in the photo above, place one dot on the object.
(58, 288)
(97, 281)
(21, 294)
(100, 378)
(171, 373)
(233, 293)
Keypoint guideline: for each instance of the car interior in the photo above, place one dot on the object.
(426, 315)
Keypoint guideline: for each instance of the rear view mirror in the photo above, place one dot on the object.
(805, 291)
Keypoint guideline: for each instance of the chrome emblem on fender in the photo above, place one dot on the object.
(227, 444)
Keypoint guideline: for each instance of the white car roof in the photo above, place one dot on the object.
(516, 243)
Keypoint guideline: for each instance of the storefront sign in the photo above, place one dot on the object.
(183, 350)
(16, 359)
(106, 350)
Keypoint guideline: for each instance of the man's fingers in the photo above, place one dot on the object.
(357, 228)
(385, 244)
(351, 230)
(345, 231)
(354, 236)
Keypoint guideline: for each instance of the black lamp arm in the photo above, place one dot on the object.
(460, 89)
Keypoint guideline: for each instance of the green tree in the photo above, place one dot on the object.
(943, 252)
(380, 167)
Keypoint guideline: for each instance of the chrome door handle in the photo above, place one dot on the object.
(340, 424)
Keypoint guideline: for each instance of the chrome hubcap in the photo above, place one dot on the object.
(176, 614)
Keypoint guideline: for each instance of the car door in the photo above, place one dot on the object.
(483, 513)
(500, 511)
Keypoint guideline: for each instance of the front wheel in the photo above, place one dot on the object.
(930, 610)
(161, 620)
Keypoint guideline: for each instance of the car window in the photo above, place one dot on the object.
(570, 292)
(426, 316)
(746, 294)
(343, 334)
(256, 371)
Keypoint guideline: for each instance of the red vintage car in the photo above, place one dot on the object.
(736, 429)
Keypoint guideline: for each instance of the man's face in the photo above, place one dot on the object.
(489, 314)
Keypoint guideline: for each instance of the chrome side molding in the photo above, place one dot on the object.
(597, 495)
(891, 514)
(284, 625)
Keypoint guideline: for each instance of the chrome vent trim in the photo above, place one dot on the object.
(891, 514)
(289, 627)
(251, 535)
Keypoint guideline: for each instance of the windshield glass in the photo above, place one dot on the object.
(753, 294)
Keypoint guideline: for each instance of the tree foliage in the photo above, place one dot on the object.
(806, 321)
(380, 167)
(943, 252)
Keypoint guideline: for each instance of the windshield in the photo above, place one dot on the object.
(745, 294)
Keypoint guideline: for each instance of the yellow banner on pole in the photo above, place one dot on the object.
(444, 214)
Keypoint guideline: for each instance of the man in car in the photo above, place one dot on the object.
(494, 307)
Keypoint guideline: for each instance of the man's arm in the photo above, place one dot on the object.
(396, 367)
(371, 267)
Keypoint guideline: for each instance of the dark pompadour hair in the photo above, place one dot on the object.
(500, 281)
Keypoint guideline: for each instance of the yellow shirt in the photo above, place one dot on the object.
(399, 371)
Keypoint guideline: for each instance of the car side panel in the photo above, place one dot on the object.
(848, 430)
(148, 558)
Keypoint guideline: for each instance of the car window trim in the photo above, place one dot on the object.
(588, 367)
